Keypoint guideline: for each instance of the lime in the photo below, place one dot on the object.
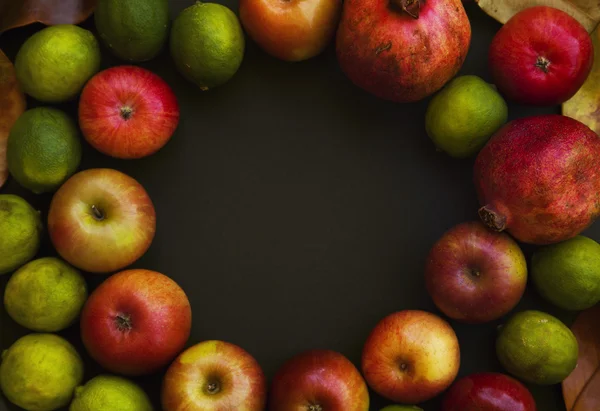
(207, 44)
(134, 30)
(43, 149)
(568, 273)
(54, 64)
(21, 228)
(45, 295)
(401, 408)
(462, 117)
(109, 393)
(39, 372)
(537, 347)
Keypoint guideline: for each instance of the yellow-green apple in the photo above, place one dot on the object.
(411, 356)
(318, 380)
(291, 30)
(101, 220)
(127, 112)
(136, 322)
(489, 392)
(474, 274)
(214, 376)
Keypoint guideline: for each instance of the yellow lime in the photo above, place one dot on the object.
(110, 393)
(568, 273)
(45, 295)
(39, 372)
(21, 229)
(463, 116)
(537, 347)
(54, 64)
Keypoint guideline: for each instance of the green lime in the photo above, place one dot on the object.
(45, 295)
(21, 228)
(537, 347)
(207, 44)
(401, 408)
(463, 116)
(39, 372)
(134, 30)
(54, 64)
(568, 273)
(43, 149)
(109, 393)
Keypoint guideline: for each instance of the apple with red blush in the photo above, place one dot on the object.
(291, 30)
(411, 356)
(128, 112)
(488, 391)
(474, 274)
(136, 322)
(318, 380)
(541, 56)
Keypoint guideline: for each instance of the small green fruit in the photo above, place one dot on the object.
(110, 393)
(568, 273)
(21, 228)
(462, 117)
(39, 372)
(45, 295)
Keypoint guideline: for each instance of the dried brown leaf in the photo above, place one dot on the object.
(585, 105)
(12, 105)
(587, 12)
(17, 13)
(581, 389)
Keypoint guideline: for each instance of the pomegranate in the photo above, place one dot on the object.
(402, 50)
(541, 56)
(539, 179)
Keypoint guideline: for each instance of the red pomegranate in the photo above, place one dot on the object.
(539, 178)
(402, 50)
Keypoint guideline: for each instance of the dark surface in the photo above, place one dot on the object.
(296, 210)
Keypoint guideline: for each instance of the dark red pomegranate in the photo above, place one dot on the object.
(402, 50)
(539, 179)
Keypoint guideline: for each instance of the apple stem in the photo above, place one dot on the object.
(98, 214)
(492, 218)
(410, 7)
(126, 112)
(213, 388)
(543, 64)
(123, 322)
(315, 407)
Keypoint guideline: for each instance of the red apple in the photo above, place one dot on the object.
(128, 112)
(291, 30)
(136, 322)
(411, 356)
(318, 380)
(214, 376)
(474, 274)
(101, 220)
(488, 392)
(541, 56)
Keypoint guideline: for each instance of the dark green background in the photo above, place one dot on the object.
(296, 210)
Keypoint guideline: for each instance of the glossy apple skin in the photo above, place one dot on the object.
(291, 30)
(122, 236)
(538, 33)
(159, 315)
(474, 274)
(128, 112)
(241, 383)
(411, 356)
(321, 378)
(488, 392)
